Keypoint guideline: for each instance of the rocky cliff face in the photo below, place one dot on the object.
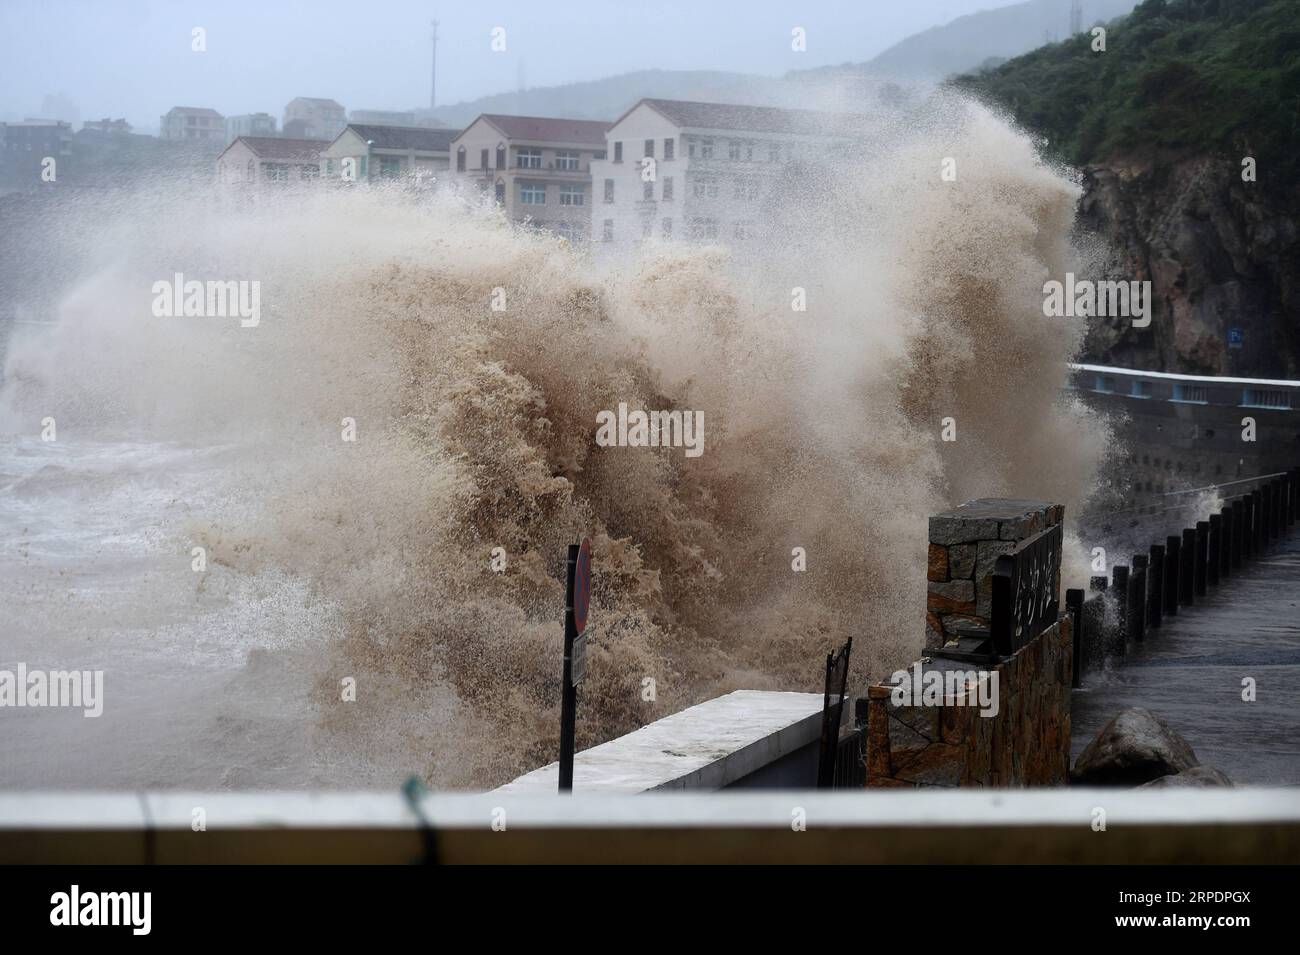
(1220, 256)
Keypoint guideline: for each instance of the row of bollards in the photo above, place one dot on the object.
(1181, 570)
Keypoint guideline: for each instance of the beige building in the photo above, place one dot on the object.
(308, 117)
(714, 168)
(192, 124)
(363, 152)
(252, 163)
(539, 169)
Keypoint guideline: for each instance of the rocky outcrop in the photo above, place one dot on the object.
(1199, 777)
(1220, 253)
(1135, 747)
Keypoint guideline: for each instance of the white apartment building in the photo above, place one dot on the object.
(703, 172)
(538, 168)
(249, 124)
(363, 152)
(310, 117)
(192, 124)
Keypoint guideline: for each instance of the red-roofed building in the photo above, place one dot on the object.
(538, 168)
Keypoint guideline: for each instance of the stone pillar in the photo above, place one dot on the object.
(965, 542)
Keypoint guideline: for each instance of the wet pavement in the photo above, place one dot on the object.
(1191, 670)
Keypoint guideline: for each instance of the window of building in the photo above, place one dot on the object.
(1196, 394)
(573, 231)
(705, 187)
(669, 145)
(607, 232)
(532, 193)
(329, 167)
(278, 171)
(483, 158)
(390, 167)
(647, 227)
(648, 191)
(529, 157)
(618, 152)
(599, 154)
(500, 192)
(666, 228)
(733, 150)
(650, 149)
(571, 195)
(704, 229)
(609, 190)
(460, 159)
(501, 157)
(706, 149)
(568, 161)
(1266, 398)
(668, 189)
(309, 172)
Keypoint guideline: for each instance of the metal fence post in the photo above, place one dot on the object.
(1256, 522)
(1248, 535)
(1187, 568)
(1173, 561)
(1215, 550)
(1122, 585)
(1225, 551)
(1155, 585)
(1202, 569)
(1240, 521)
(1074, 603)
(1137, 621)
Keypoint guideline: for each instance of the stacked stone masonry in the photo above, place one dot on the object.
(1027, 742)
(964, 544)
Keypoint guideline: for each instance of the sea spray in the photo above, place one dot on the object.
(474, 427)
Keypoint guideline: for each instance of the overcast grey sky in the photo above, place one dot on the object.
(133, 58)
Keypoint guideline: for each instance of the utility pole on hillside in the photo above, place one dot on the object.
(433, 71)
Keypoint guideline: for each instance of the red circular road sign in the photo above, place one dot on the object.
(582, 586)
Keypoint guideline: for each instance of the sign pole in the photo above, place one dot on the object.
(569, 697)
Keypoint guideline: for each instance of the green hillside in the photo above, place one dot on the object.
(1177, 76)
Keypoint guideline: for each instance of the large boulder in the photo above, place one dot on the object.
(1197, 776)
(1134, 748)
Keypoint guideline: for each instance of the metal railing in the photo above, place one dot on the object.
(1182, 569)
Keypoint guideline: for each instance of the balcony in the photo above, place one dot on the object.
(545, 171)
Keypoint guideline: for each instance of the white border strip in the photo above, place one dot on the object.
(864, 810)
(1106, 369)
